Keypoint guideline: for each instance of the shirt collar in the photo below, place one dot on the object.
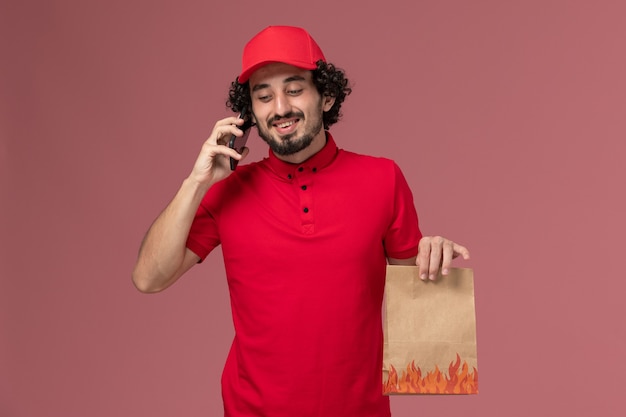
(315, 163)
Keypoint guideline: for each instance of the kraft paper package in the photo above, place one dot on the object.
(429, 333)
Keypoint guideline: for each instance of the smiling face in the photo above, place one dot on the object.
(288, 111)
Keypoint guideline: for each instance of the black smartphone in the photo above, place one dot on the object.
(238, 143)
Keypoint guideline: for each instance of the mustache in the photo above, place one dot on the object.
(289, 115)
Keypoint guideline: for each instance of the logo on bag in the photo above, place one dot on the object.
(458, 380)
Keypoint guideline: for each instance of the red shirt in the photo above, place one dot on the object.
(305, 250)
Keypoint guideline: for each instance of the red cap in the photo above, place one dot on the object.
(287, 44)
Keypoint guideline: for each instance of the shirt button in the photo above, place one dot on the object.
(314, 169)
(289, 176)
(303, 187)
(300, 169)
(306, 210)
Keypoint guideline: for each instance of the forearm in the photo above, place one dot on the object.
(163, 256)
(162, 253)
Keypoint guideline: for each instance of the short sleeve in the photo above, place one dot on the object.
(403, 235)
(203, 236)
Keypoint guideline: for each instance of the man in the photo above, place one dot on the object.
(306, 234)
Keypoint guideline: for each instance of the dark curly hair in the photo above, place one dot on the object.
(329, 80)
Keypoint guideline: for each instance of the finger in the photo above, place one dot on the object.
(423, 257)
(227, 151)
(228, 121)
(462, 251)
(448, 254)
(223, 134)
(224, 129)
(436, 248)
(211, 150)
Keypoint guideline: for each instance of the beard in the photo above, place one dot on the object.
(290, 144)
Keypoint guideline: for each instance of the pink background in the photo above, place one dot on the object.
(507, 117)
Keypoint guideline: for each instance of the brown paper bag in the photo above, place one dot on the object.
(430, 333)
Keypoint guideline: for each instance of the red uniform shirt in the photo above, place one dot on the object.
(305, 250)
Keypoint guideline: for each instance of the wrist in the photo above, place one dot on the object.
(195, 186)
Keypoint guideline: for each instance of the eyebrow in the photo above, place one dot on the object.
(285, 81)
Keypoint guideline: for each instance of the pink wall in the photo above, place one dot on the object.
(508, 119)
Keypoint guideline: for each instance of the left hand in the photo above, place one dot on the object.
(435, 252)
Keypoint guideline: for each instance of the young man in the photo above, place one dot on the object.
(306, 234)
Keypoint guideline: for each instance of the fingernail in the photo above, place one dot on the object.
(423, 276)
(445, 271)
(432, 277)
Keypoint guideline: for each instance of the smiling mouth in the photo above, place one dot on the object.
(285, 124)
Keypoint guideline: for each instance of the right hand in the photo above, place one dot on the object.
(212, 164)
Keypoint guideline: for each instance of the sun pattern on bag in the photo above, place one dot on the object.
(459, 380)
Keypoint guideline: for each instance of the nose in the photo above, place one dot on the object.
(282, 106)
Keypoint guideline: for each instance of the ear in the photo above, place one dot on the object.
(327, 103)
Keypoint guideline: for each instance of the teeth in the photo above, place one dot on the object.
(286, 124)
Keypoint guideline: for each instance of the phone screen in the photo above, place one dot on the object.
(238, 143)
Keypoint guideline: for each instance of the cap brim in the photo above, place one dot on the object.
(247, 73)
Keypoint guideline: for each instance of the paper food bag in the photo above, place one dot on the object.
(430, 333)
